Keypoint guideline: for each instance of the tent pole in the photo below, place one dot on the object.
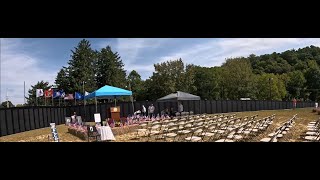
(132, 105)
(96, 104)
(200, 106)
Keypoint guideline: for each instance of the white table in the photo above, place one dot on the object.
(106, 133)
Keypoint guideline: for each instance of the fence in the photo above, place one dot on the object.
(15, 120)
(197, 107)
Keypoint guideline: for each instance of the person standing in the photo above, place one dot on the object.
(151, 110)
(180, 108)
(294, 101)
(144, 110)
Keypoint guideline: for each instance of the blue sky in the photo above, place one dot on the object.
(35, 59)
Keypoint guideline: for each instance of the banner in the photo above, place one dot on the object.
(39, 92)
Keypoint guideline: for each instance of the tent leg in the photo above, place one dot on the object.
(96, 104)
(132, 105)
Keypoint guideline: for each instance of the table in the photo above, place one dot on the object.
(106, 133)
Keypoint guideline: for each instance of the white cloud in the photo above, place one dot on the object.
(214, 52)
(130, 49)
(18, 66)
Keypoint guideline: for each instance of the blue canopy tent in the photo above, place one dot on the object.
(108, 92)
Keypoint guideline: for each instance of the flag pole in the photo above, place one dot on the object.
(96, 104)
(52, 96)
(84, 101)
(24, 92)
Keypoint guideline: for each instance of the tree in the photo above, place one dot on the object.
(270, 87)
(19, 105)
(82, 68)
(4, 104)
(206, 83)
(237, 78)
(296, 83)
(312, 76)
(31, 100)
(136, 84)
(168, 77)
(63, 80)
(109, 69)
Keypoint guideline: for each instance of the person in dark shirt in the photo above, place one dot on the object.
(172, 113)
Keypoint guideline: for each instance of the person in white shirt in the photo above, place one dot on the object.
(180, 108)
(150, 110)
(74, 117)
(144, 110)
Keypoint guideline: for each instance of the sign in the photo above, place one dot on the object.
(245, 99)
(54, 132)
(97, 118)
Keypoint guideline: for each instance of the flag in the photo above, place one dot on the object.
(39, 92)
(48, 93)
(78, 96)
(56, 94)
(69, 97)
(62, 94)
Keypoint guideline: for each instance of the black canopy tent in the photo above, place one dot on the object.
(181, 96)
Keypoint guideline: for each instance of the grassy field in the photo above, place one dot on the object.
(304, 116)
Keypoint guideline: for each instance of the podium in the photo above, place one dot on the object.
(115, 113)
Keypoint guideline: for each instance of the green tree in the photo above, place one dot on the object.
(237, 78)
(109, 69)
(136, 84)
(63, 80)
(31, 100)
(168, 77)
(206, 83)
(82, 68)
(312, 76)
(296, 83)
(270, 87)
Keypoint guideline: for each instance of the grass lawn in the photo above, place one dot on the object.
(304, 116)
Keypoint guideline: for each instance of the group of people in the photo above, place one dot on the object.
(168, 111)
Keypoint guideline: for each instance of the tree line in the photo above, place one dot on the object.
(276, 76)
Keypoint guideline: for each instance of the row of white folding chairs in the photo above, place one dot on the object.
(160, 127)
(281, 131)
(222, 131)
(199, 131)
(313, 132)
(247, 130)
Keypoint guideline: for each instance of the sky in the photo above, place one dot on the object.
(31, 60)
